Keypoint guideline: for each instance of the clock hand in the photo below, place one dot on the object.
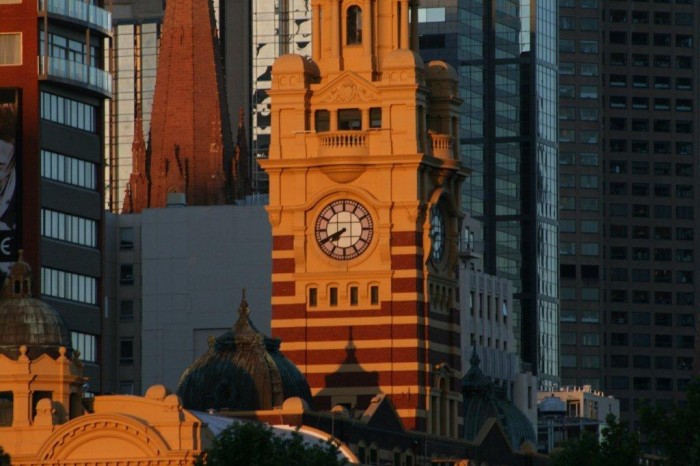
(334, 237)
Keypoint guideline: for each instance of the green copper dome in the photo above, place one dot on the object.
(26, 321)
(484, 400)
(243, 370)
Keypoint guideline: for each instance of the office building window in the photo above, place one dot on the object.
(68, 112)
(86, 344)
(126, 351)
(69, 170)
(11, 49)
(126, 310)
(66, 285)
(126, 274)
(126, 238)
(69, 228)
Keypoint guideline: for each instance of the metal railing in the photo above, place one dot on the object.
(97, 17)
(94, 78)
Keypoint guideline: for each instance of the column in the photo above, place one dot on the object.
(404, 24)
(367, 28)
(335, 28)
(316, 46)
(414, 25)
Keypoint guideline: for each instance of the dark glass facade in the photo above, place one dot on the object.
(627, 139)
(505, 54)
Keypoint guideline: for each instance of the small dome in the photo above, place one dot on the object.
(551, 405)
(484, 400)
(28, 321)
(243, 370)
(438, 69)
(402, 58)
(294, 63)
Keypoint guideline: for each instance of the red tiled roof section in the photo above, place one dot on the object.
(190, 142)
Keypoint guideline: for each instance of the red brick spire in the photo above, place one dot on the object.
(190, 138)
(241, 160)
(137, 190)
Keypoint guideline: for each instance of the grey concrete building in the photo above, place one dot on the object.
(173, 278)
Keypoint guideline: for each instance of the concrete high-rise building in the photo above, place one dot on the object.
(628, 197)
(53, 93)
(505, 55)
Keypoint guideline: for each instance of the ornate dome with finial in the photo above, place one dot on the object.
(243, 370)
(484, 400)
(27, 321)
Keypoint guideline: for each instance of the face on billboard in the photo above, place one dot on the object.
(8, 178)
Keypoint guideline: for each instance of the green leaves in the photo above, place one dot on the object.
(618, 448)
(255, 444)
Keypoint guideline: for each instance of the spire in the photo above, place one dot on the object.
(241, 162)
(136, 196)
(187, 144)
(18, 283)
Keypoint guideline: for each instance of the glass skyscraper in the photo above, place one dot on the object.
(505, 53)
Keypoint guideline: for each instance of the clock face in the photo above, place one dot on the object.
(437, 233)
(344, 229)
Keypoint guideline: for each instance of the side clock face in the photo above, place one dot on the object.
(437, 233)
(344, 229)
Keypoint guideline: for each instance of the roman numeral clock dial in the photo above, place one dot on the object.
(344, 229)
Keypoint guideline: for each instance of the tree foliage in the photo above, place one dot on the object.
(254, 444)
(674, 433)
(619, 447)
(4, 458)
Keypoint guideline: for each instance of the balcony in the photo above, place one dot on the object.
(77, 11)
(77, 74)
(441, 145)
(343, 143)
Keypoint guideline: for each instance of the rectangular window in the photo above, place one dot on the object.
(126, 351)
(354, 296)
(126, 310)
(313, 297)
(349, 119)
(69, 170)
(126, 238)
(69, 228)
(69, 112)
(374, 295)
(322, 121)
(86, 344)
(375, 113)
(126, 274)
(66, 285)
(11, 49)
(333, 296)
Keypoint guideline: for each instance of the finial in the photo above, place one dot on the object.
(21, 255)
(474, 360)
(243, 309)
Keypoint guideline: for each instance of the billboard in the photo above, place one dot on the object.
(9, 139)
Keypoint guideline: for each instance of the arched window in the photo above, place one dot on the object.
(354, 25)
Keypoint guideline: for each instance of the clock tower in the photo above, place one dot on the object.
(364, 207)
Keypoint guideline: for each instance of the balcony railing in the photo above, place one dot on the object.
(94, 16)
(81, 74)
(343, 143)
(441, 145)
